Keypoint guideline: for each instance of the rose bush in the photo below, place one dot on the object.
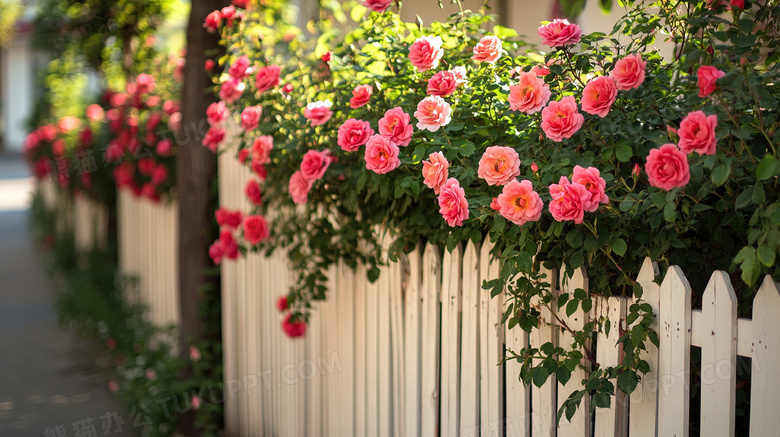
(592, 152)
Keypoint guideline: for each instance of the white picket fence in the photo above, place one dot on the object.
(416, 353)
(148, 236)
(86, 218)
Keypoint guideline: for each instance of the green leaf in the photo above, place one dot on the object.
(670, 212)
(636, 335)
(540, 375)
(601, 400)
(767, 168)
(574, 238)
(623, 152)
(563, 374)
(619, 247)
(766, 255)
(587, 304)
(627, 381)
(571, 307)
(720, 174)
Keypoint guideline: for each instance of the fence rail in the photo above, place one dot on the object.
(416, 353)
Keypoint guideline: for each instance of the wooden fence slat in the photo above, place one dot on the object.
(397, 332)
(644, 399)
(361, 347)
(491, 347)
(613, 421)
(579, 426)
(674, 354)
(450, 340)
(518, 396)
(412, 343)
(346, 317)
(718, 357)
(765, 384)
(385, 360)
(544, 398)
(430, 330)
(469, 348)
(372, 358)
(314, 354)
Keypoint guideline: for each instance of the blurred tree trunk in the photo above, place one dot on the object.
(196, 166)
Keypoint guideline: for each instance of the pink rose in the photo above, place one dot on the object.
(432, 113)
(738, 4)
(494, 204)
(243, 154)
(697, 133)
(229, 14)
(499, 165)
(241, 68)
(435, 171)
(229, 244)
(259, 170)
(591, 179)
(250, 117)
(381, 155)
(442, 83)
(568, 201)
(561, 119)
(452, 203)
(318, 112)
(228, 218)
(243, 4)
(534, 167)
(95, 112)
(636, 171)
(708, 77)
(253, 192)
(267, 78)
(214, 138)
(68, 123)
(629, 72)
(292, 328)
(667, 167)
(213, 20)
(255, 229)
(261, 149)
(209, 65)
(164, 147)
(159, 174)
(540, 70)
(216, 252)
(360, 96)
(395, 126)
(299, 188)
(377, 5)
(560, 33)
(231, 90)
(530, 95)
(281, 303)
(599, 95)
(314, 164)
(426, 52)
(460, 74)
(196, 402)
(488, 49)
(353, 134)
(519, 203)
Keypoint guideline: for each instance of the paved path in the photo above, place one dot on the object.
(49, 379)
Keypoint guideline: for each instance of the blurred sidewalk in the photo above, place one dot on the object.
(50, 385)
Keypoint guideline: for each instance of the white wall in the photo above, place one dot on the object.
(18, 80)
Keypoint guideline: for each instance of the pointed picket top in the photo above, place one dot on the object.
(450, 339)
(765, 386)
(718, 356)
(674, 354)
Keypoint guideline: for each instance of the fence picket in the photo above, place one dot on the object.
(430, 330)
(412, 346)
(491, 350)
(397, 332)
(674, 354)
(544, 398)
(346, 317)
(360, 352)
(518, 396)
(718, 357)
(385, 362)
(579, 426)
(613, 421)
(450, 340)
(765, 385)
(469, 352)
(644, 399)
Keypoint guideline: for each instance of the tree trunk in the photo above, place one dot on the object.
(196, 166)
